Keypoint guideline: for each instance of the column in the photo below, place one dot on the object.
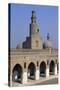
(11, 80)
(47, 69)
(10, 74)
(24, 77)
(10, 77)
(37, 74)
(55, 69)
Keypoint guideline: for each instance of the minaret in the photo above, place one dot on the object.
(36, 42)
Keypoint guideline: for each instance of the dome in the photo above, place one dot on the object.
(47, 43)
(19, 46)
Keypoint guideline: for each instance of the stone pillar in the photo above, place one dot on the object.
(11, 80)
(10, 77)
(47, 69)
(55, 69)
(37, 74)
(10, 74)
(24, 77)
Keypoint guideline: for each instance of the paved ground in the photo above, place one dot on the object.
(43, 81)
(52, 81)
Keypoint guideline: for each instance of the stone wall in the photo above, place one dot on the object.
(21, 56)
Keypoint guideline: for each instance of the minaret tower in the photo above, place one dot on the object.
(36, 41)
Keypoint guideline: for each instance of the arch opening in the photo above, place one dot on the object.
(42, 69)
(31, 71)
(17, 73)
(52, 68)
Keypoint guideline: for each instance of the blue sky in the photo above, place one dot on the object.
(47, 19)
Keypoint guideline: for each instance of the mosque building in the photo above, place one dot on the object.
(34, 58)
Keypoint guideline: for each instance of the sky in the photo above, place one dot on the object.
(20, 16)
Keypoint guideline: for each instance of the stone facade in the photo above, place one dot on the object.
(34, 60)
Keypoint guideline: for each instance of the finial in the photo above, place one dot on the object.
(33, 18)
(48, 36)
(33, 13)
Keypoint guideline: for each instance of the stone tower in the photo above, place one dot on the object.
(33, 41)
(36, 41)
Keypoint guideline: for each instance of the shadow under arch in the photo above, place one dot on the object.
(42, 69)
(31, 71)
(17, 73)
(52, 68)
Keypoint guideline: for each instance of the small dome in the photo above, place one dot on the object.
(47, 43)
(19, 46)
